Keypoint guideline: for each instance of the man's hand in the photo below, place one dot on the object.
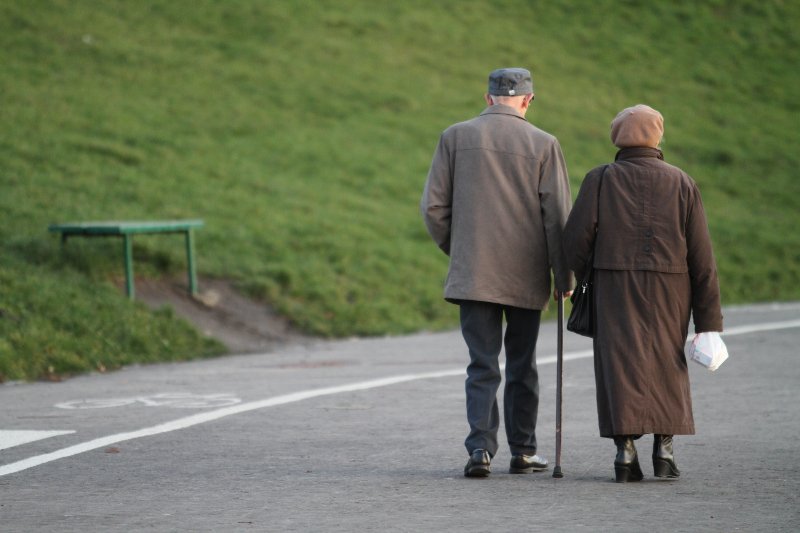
(557, 294)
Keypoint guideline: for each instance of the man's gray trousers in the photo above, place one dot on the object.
(482, 327)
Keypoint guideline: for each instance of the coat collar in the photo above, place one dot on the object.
(500, 109)
(635, 152)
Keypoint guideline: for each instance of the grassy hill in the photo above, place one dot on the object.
(301, 132)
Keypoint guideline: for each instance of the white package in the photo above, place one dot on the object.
(708, 349)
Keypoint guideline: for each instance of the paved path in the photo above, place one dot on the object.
(366, 435)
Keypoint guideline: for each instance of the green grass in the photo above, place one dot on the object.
(301, 132)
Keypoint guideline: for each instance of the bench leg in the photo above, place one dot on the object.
(127, 241)
(190, 262)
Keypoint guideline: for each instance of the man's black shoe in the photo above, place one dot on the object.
(478, 464)
(525, 464)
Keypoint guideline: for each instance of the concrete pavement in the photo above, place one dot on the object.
(366, 435)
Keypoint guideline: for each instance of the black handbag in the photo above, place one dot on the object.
(581, 317)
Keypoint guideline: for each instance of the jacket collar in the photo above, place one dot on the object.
(635, 152)
(500, 109)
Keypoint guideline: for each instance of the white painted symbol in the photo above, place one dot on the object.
(179, 400)
(11, 438)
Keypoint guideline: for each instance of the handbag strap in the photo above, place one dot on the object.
(590, 263)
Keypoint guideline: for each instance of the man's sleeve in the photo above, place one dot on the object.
(437, 198)
(556, 201)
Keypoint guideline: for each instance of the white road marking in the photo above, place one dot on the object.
(201, 418)
(753, 328)
(178, 400)
(11, 438)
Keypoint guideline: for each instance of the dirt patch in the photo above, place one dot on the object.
(242, 324)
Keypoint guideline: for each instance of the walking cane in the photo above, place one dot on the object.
(557, 473)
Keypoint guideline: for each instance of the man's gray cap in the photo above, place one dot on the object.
(510, 82)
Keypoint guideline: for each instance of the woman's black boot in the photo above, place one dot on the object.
(663, 461)
(626, 465)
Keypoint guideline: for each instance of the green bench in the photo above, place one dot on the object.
(127, 230)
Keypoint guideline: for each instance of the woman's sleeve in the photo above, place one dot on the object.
(579, 232)
(706, 306)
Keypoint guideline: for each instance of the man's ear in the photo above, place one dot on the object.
(488, 98)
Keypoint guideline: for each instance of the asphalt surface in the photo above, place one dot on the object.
(367, 435)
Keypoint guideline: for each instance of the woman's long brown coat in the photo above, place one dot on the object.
(654, 268)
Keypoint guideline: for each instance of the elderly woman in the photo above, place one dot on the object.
(642, 221)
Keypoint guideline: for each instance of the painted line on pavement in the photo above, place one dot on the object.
(753, 328)
(209, 416)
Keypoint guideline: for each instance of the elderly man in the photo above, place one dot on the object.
(496, 199)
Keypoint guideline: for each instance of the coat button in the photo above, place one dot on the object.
(647, 248)
(648, 233)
